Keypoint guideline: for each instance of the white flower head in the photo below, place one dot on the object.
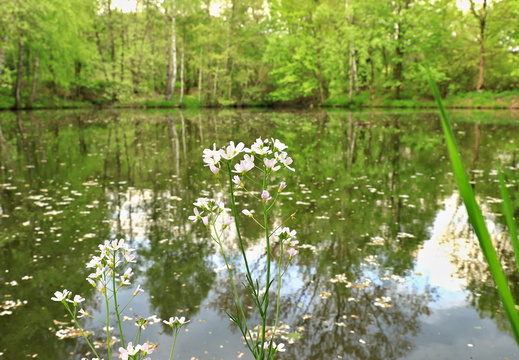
(176, 321)
(197, 216)
(215, 170)
(271, 164)
(231, 151)
(243, 166)
(282, 186)
(146, 348)
(138, 290)
(77, 299)
(285, 234)
(247, 213)
(212, 156)
(259, 147)
(265, 196)
(130, 258)
(236, 179)
(278, 145)
(284, 159)
(202, 203)
(61, 296)
(292, 252)
(279, 347)
(224, 220)
(94, 262)
(129, 351)
(125, 278)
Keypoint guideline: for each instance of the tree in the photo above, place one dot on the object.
(481, 18)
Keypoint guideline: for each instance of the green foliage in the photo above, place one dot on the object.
(297, 52)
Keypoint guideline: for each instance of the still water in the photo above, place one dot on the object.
(387, 266)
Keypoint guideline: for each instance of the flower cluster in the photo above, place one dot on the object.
(257, 166)
(210, 212)
(114, 255)
(113, 258)
(176, 321)
(287, 237)
(64, 296)
(141, 350)
(269, 151)
(276, 347)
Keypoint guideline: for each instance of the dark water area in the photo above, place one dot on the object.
(388, 267)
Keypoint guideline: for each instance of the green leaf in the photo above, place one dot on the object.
(476, 217)
(509, 215)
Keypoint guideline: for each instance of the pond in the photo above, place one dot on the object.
(387, 268)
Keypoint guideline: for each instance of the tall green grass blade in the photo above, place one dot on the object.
(509, 215)
(476, 217)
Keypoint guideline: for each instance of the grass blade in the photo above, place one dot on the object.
(476, 217)
(509, 215)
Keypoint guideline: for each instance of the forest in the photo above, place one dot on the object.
(252, 52)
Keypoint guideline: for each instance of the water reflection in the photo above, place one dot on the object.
(371, 193)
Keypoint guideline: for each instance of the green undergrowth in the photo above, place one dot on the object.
(484, 99)
(469, 100)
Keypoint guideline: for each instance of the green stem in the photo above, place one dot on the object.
(267, 275)
(235, 215)
(175, 331)
(81, 330)
(138, 336)
(107, 321)
(116, 305)
(239, 306)
(278, 294)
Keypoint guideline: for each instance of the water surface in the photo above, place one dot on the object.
(388, 267)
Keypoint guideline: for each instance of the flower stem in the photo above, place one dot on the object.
(81, 330)
(175, 331)
(267, 275)
(116, 305)
(239, 306)
(235, 215)
(107, 323)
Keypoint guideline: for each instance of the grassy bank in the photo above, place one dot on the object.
(470, 100)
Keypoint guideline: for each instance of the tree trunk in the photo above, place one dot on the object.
(399, 70)
(350, 87)
(35, 79)
(19, 76)
(3, 51)
(77, 78)
(372, 78)
(481, 67)
(172, 56)
(182, 84)
(121, 62)
(354, 70)
(215, 84)
(112, 39)
(320, 79)
(322, 97)
(482, 20)
(229, 85)
(351, 56)
(200, 77)
(103, 63)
